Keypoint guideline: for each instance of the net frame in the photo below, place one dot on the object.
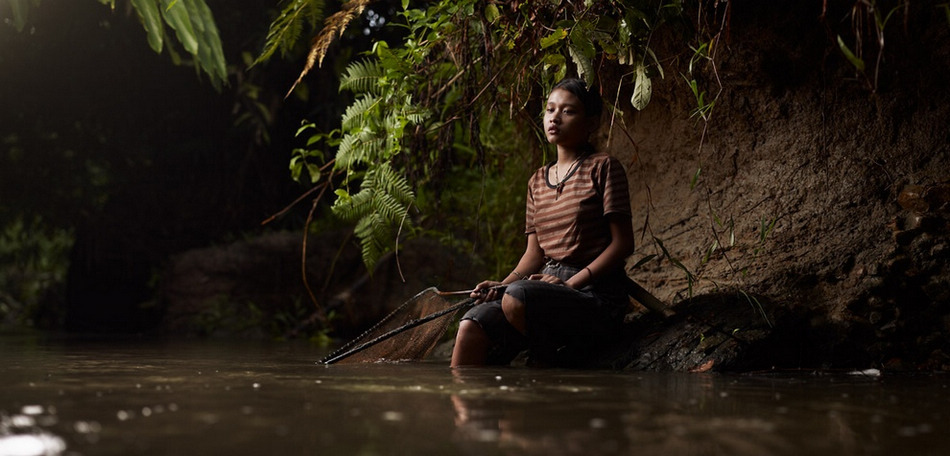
(409, 332)
(400, 336)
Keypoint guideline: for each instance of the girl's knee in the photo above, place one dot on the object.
(469, 331)
(471, 345)
(514, 312)
(511, 305)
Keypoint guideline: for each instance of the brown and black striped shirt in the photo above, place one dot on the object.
(571, 222)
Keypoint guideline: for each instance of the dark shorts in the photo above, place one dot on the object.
(560, 321)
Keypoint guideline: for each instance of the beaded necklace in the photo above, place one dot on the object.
(570, 172)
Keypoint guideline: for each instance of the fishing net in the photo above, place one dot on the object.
(408, 333)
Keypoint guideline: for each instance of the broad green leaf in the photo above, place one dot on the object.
(623, 31)
(558, 63)
(857, 62)
(642, 89)
(584, 65)
(491, 13)
(210, 54)
(314, 172)
(554, 38)
(176, 15)
(151, 18)
(342, 196)
(582, 39)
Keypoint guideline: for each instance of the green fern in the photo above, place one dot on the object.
(381, 205)
(361, 147)
(357, 113)
(286, 30)
(363, 77)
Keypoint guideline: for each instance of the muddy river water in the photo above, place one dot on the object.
(136, 397)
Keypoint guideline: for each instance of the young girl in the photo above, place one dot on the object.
(566, 293)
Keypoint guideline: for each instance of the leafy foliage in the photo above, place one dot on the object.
(382, 202)
(33, 261)
(419, 107)
(191, 21)
(287, 29)
(869, 21)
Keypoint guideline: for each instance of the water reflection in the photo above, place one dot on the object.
(607, 413)
(147, 397)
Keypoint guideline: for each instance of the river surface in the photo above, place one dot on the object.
(138, 397)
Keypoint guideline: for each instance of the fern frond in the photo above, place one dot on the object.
(417, 115)
(379, 207)
(332, 28)
(390, 182)
(347, 155)
(363, 146)
(358, 111)
(374, 238)
(356, 207)
(286, 29)
(362, 77)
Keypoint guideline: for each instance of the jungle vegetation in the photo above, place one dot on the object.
(442, 122)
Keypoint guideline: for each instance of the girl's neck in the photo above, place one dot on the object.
(568, 155)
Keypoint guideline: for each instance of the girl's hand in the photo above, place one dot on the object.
(546, 278)
(484, 291)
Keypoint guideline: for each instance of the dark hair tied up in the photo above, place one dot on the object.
(593, 104)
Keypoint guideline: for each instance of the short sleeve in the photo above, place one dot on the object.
(615, 189)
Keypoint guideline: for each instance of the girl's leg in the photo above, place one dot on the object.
(471, 345)
(514, 312)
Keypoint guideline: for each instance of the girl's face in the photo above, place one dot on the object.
(565, 122)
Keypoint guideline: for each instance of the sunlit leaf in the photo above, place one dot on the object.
(210, 54)
(584, 64)
(152, 20)
(642, 89)
(554, 38)
(176, 15)
(855, 60)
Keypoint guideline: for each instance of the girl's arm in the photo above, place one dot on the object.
(531, 262)
(621, 246)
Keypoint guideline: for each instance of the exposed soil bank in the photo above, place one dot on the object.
(827, 199)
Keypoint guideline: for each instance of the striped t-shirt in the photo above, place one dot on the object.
(571, 222)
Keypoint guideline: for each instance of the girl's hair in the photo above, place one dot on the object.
(593, 104)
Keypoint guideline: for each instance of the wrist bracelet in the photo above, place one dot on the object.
(590, 272)
(518, 274)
